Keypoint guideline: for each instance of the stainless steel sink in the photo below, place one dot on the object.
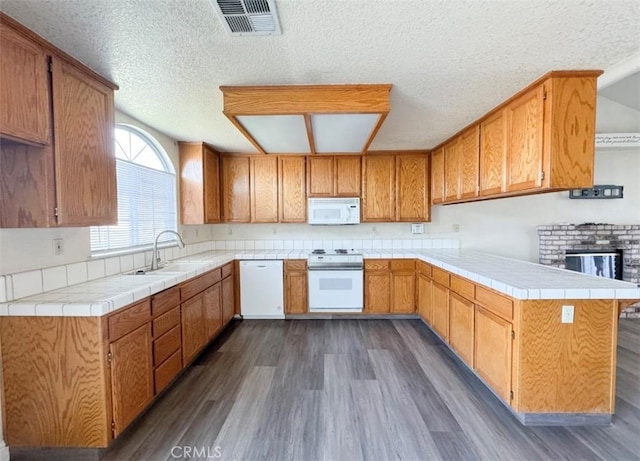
(177, 268)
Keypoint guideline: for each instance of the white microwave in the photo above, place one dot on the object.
(334, 211)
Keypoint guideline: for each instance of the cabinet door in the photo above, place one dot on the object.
(378, 188)
(84, 148)
(424, 298)
(295, 293)
(437, 176)
(412, 190)
(131, 376)
(403, 292)
(292, 190)
(213, 309)
(493, 346)
(24, 87)
(452, 161)
(461, 327)
(320, 176)
(194, 327)
(440, 309)
(493, 154)
(524, 149)
(211, 187)
(264, 189)
(470, 162)
(377, 292)
(228, 300)
(236, 203)
(348, 177)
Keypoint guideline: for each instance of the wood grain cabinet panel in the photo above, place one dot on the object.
(292, 190)
(452, 164)
(424, 298)
(166, 345)
(165, 322)
(378, 179)
(295, 291)
(194, 327)
(213, 309)
(320, 176)
(403, 292)
(228, 300)
(412, 191)
(131, 376)
(470, 162)
(264, 189)
(437, 176)
(493, 154)
(199, 184)
(24, 88)
(165, 300)
(440, 309)
(169, 369)
(493, 348)
(236, 199)
(348, 175)
(461, 327)
(128, 319)
(377, 288)
(524, 149)
(84, 148)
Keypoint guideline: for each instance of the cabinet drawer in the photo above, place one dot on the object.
(129, 319)
(441, 276)
(498, 304)
(403, 265)
(227, 270)
(166, 345)
(376, 264)
(166, 321)
(195, 286)
(165, 300)
(168, 370)
(295, 265)
(424, 268)
(463, 287)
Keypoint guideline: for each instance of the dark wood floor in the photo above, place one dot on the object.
(359, 390)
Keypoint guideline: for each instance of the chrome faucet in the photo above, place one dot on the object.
(155, 260)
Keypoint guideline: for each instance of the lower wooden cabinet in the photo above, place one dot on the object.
(377, 286)
(131, 376)
(424, 298)
(228, 299)
(461, 326)
(295, 287)
(493, 349)
(213, 309)
(440, 309)
(194, 327)
(403, 292)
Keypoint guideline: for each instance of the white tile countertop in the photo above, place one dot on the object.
(519, 279)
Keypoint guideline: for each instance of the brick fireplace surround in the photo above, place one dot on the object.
(555, 240)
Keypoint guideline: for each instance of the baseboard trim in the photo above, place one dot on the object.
(350, 316)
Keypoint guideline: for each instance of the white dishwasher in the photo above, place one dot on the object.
(261, 289)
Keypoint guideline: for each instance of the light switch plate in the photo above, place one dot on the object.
(567, 314)
(417, 228)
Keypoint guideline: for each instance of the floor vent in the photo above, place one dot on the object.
(248, 17)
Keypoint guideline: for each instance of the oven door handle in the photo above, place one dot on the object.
(319, 269)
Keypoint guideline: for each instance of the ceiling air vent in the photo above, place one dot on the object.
(248, 17)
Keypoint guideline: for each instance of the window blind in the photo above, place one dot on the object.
(146, 206)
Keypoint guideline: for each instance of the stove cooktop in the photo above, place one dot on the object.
(339, 251)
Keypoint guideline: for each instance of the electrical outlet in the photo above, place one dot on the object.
(567, 314)
(374, 230)
(274, 231)
(230, 231)
(417, 228)
(456, 228)
(58, 247)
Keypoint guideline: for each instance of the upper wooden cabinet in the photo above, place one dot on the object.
(24, 88)
(540, 140)
(264, 189)
(292, 190)
(199, 184)
(72, 180)
(236, 201)
(334, 176)
(437, 176)
(395, 188)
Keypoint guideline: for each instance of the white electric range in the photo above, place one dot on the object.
(336, 281)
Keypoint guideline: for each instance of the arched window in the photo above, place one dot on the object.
(146, 182)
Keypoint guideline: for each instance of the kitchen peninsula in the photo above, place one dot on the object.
(503, 318)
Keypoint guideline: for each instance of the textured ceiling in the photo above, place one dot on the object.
(450, 61)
